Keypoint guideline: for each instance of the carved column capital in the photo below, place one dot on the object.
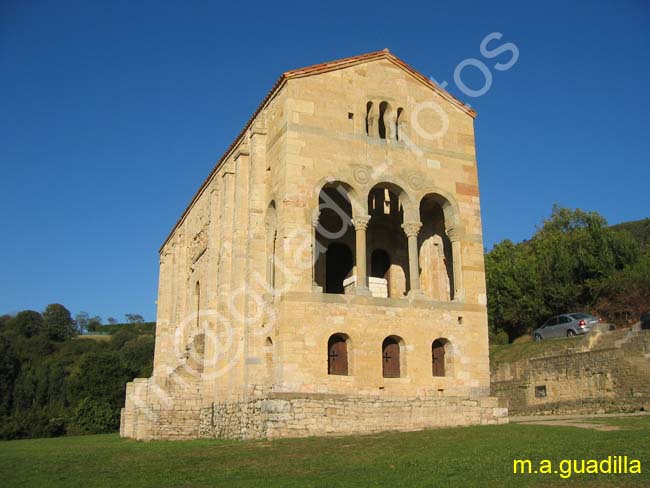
(412, 228)
(454, 233)
(360, 222)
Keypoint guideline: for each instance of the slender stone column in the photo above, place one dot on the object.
(456, 258)
(360, 223)
(412, 229)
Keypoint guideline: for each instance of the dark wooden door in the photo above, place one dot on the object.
(390, 358)
(438, 358)
(337, 356)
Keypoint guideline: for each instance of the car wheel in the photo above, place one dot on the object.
(570, 333)
(538, 337)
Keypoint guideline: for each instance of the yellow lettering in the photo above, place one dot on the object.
(606, 465)
(545, 466)
(592, 466)
(524, 466)
(565, 468)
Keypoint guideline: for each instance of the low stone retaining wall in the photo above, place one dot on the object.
(605, 373)
(290, 415)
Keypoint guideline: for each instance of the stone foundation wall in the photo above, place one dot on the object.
(288, 415)
(605, 373)
(152, 411)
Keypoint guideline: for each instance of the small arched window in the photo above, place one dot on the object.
(390, 357)
(398, 123)
(438, 357)
(271, 238)
(337, 355)
(369, 120)
(383, 107)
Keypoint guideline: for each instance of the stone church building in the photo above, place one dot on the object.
(328, 275)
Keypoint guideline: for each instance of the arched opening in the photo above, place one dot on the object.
(380, 268)
(385, 234)
(390, 357)
(399, 124)
(369, 120)
(334, 238)
(337, 355)
(339, 262)
(435, 250)
(271, 243)
(438, 357)
(383, 107)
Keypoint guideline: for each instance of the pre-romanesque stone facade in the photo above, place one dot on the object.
(328, 275)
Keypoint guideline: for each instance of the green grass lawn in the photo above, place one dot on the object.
(471, 456)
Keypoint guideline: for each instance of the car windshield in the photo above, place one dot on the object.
(580, 316)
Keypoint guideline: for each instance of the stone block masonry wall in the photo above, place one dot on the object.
(606, 373)
(290, 415)
(158, 409)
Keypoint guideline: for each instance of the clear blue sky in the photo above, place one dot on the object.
(112, 114)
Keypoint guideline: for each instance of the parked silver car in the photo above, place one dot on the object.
(565, 325)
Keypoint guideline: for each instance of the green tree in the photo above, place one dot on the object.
(4, 322)
(102, 376)
(81, 321)
(94, 323)
(27, 323)
(9, 369)
(58, 322)
(515, 298)
(134, 318)
(137, 355)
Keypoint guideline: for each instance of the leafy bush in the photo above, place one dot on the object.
(95, 417)
(102, 376)
(499, 338)
(136, 354)
(79, 346)
(120, 338)
(33, 423)
(624, 295)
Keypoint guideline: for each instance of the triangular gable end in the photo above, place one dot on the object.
(374, 56)
(309, 71)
